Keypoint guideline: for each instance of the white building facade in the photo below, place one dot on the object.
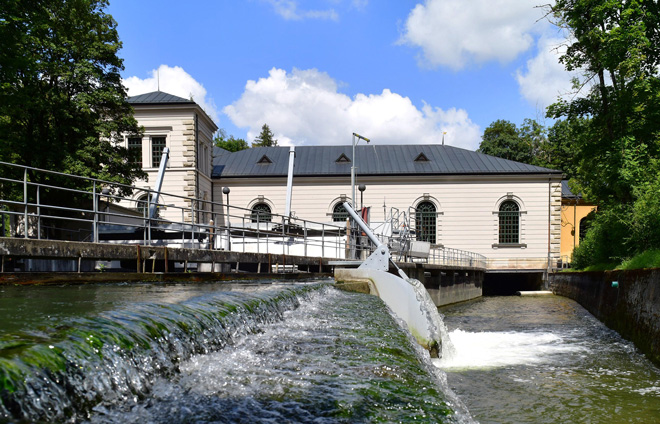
(507, 211)
(186, 129)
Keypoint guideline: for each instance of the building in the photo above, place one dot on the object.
(187, 130)
(574, 221)
(509, 212)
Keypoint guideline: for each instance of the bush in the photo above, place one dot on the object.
(645, 218)
(605, 241)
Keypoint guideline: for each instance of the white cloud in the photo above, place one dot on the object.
(545, 79)
(304, 107)
(289, 10)
(176, 81)
(456, 33)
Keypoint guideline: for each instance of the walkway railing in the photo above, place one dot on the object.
(86, 209)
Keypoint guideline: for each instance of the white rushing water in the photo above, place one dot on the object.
(473, 350)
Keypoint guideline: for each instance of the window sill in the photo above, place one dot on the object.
(509, 245)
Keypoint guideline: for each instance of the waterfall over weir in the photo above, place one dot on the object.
(279, 353)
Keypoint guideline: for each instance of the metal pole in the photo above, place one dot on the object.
(95, 202)
(38, 213)
(353, 173)
(226, 191)
(25, 201)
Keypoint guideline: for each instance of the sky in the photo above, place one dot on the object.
(317, 71)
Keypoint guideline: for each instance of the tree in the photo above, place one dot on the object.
(229, 142)
(616, 46)
(62, 103)
(265, 138)
(503, 140)
(557, 152)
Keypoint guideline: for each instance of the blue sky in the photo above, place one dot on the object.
(316, 71)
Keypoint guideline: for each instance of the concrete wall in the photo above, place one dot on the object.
(447, 286)
(632, 308)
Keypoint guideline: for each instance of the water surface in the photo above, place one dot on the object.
(199, 353)
(546, 360)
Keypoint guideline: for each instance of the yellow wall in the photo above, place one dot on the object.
(570, 215)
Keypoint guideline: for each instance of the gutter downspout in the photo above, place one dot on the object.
(289, 181)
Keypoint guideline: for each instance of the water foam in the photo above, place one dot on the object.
(501, 349)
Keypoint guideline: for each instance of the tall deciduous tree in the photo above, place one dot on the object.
(616, 45)
(62, 103)
(503, 140)
(265, 139)
(229, 143)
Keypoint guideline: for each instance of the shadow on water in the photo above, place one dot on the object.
(150, 353)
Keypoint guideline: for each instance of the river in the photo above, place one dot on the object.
(221, 353)
(306, 353)
(546, 360)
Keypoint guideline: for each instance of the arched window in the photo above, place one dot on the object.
(509, 222)
(339, 213)
(142, 204)
(261, 213)
(425, 222)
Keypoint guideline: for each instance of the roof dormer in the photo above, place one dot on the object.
(343, 159)
(265, 160)
(422, 158)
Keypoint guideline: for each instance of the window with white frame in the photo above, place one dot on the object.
(158, 144)
(339, 213)
(261, 212)
(425, 222)
(135, 150)
(509, 222)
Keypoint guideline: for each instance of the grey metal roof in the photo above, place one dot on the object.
(566, 192)
(371, 160)
(157, 97)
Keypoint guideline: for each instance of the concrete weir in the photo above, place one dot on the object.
(447, 284)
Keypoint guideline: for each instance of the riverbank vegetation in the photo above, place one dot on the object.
(606, 136)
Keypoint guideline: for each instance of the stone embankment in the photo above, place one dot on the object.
(625, 301)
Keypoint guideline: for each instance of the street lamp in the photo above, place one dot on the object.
(226, 191)
(362, 188)
(358, 137)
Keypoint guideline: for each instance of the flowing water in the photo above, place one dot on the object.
(200, 353)
(546, 360)
(306, 353)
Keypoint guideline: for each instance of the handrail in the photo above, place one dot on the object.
(279, 235)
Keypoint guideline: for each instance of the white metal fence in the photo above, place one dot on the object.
(86, 209)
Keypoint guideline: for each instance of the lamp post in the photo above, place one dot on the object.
(226, 191)
(362, 188)
(356, 139)
(106, 193)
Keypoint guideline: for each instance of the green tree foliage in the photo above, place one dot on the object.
(62, 103)
(265, 139)
(229, 142)
(616, 45)
(503, 139)
(532, 143)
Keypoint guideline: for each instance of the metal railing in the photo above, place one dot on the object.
(87, 209)
(456, 257)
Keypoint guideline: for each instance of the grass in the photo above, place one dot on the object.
(646, 259)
